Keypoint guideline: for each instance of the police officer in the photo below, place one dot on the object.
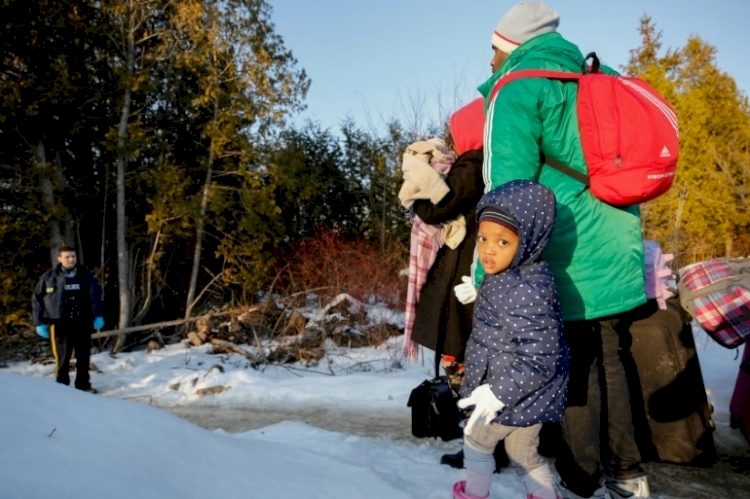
(67, 308)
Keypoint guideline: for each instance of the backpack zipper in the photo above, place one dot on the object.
(596, 121)
(618, 157)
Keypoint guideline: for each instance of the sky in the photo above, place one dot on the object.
(420, 59)
(60, 443)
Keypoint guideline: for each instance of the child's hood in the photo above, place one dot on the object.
(534, 208)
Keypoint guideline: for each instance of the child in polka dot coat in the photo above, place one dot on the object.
(516, 359)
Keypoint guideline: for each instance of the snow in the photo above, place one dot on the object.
(719, 367)
(60, 443)
(104, 447)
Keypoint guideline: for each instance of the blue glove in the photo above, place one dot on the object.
(98, 323)
(43, 331)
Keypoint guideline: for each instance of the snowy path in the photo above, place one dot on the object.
(374, 424)
(724, 481)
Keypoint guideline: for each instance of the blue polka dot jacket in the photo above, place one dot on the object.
(516, 344)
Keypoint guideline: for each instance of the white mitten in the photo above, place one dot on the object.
(486, 406)
(431, 182)
(466, 292)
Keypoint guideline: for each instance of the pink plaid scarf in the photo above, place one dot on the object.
(425, 242)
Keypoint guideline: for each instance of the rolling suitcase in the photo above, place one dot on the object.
(674, 422)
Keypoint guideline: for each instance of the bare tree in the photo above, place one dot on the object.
(134, 39)
(247, 79)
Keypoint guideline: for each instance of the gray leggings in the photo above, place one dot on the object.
(521, 445)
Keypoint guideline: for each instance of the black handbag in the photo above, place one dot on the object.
(434, 412)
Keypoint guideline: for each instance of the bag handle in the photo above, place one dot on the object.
(438, 355)
(439, 351)
(593, 68)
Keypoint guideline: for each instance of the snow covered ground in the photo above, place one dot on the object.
(57, 442)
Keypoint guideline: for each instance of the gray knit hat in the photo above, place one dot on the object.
(522, 23)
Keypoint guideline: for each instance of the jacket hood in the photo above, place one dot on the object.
(467, 127)
(534, 208)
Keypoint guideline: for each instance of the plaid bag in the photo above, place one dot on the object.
(716, 294)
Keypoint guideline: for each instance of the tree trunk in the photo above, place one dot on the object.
(123, 271)
(102, 255)
(68, 216)
(123, 260)
(48, 198)
(201, 222)
(682, 197)
(80, 241)
(148, 278)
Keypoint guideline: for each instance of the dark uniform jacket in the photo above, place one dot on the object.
(49, 295)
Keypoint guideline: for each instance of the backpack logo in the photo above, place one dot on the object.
(665, 153)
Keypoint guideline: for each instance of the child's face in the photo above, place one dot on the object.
(496, 245)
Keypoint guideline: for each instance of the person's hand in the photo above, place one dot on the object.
(98, 323)
(466, 292)
(43, 331)
(486, 406)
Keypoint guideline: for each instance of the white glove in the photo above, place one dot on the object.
(486, 406)
(466, 292)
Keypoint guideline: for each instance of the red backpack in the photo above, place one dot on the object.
(628, 133)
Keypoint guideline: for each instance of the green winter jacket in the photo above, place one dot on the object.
(596, 250)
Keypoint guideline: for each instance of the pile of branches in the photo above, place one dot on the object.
(283, 334)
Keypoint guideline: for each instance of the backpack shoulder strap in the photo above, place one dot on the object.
(567, 170)
(532, 73)
(593, 68)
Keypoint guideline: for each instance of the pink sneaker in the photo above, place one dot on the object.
(459, 492)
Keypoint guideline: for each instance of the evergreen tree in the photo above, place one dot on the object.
(702, 215)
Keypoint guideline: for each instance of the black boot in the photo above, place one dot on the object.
(457, 460)
(453, 460)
